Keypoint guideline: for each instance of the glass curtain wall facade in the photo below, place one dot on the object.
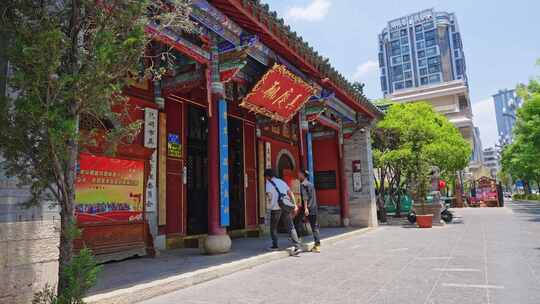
(507, 102)
(420, 49)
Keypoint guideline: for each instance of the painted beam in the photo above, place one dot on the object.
(180, 44)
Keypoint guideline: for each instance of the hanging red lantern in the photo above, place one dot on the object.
(442, 184)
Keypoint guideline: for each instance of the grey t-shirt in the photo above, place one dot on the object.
(307, 190)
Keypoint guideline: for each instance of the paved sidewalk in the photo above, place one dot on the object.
(140, 278)
(488, 256)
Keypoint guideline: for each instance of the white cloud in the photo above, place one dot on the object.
(484, 118)
(316, 10)
(365, 69)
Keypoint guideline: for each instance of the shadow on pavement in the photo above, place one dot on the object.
(527, 210)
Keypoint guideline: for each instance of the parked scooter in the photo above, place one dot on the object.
(446, 215)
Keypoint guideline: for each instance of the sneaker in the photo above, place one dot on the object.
(316, 249)
(273, 248)
(296, 251)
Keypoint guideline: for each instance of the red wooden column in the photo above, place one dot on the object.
(217, 241)
(213, 169)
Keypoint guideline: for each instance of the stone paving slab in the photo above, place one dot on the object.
(489, 256)
(143, 278)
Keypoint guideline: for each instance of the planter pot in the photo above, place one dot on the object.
(424, 221)
(433, 209)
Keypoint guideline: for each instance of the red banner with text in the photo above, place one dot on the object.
(109, 189)
(279, 94)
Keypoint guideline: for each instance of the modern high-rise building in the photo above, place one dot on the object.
(477, 155)
(507, 102)
(421, 59)
(420, 50)
(491, 160)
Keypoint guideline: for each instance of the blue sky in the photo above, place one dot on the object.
(501, 40)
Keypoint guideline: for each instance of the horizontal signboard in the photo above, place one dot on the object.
(278, 95)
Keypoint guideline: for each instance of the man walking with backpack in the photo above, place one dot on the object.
(309, 207)
(282, 202)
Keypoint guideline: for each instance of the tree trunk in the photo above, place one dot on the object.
(398, 204)
(397, 191)
(457, 191)
(527, 187)
(66, 243)
(68, 224)
(380, 198)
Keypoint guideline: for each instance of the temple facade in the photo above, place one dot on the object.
(246, 93)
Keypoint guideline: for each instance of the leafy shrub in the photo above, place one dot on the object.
(529, 197)
(81, 275)
(533, 197)
(518, 196)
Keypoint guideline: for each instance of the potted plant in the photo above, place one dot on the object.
(419, 189)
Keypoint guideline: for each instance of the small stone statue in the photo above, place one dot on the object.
(435, 179)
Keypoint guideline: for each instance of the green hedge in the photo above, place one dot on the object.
(528, 197)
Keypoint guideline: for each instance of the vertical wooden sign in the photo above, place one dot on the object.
(224, 217)
(162, 170)
(261, 166)
(267, 155)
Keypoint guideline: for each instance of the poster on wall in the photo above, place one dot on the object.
(325, 180)
(357, 175)
(174, 148)
(109, 189)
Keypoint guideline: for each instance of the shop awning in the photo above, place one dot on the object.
(279, 94)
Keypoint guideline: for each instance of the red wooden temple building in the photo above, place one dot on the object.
(246, 94)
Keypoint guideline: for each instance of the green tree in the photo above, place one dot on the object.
(520, 159)
(388, 177)
(423, 138)
(70, 59)
(505, 179)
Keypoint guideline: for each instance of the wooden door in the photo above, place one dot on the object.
(197, 171)
(174, 185)
(250, 165)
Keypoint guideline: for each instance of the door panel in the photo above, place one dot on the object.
(197, 171)
(236, 174)
(251, 174)
(326, 159)
(174, 170)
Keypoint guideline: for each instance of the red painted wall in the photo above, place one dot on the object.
(277, 146)
(326, 158)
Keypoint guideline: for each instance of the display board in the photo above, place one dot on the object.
(109, 189)
(325, 180)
